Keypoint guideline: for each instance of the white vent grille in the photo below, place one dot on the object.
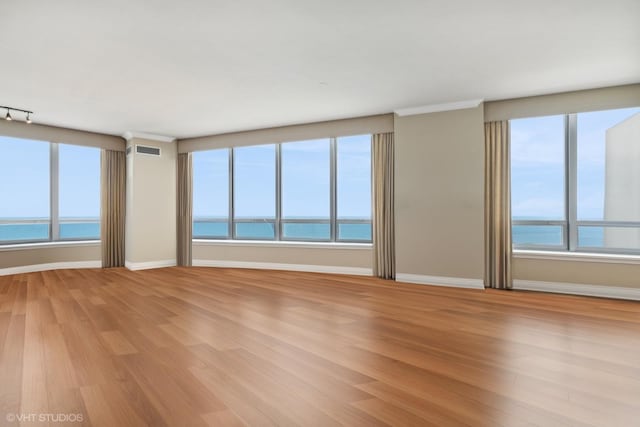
(150, 151)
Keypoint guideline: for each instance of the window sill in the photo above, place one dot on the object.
(284, 244)
(43, 245)
(577, 256)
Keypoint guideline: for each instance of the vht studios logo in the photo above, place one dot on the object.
(45, 418)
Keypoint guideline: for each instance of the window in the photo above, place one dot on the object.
(585, 200)
(25, 208)
(211, 194)
(538, 181)
(254, 196)
(354, 188)
(317, 190)
(49, 191)
(306, 190)
(79, 192)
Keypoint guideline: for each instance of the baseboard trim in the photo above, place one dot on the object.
(150, 264)
(454, 282)
(49, 266)
(616, 292)
(355, 271)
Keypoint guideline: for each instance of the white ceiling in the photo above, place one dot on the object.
(197, 67)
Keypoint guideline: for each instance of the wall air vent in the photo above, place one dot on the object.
(150, 151)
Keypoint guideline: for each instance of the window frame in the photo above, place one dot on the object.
(570, 224)
(54, 207)
(279, 221)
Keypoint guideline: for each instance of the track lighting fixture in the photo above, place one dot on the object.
(9, 118)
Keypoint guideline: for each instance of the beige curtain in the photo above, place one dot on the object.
(184, 212)
(384, 261)
(497, 202)
(112, 215)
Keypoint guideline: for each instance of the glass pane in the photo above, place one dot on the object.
(306, 231)
(608, 164)
(210, 229)
(354, 177)
(24, 190)
(592, 237)
(79, 192)
(360, 232)
(537, 168)
(541, 235)
(624, 238)
(254, 182)
(11, 231)
(80, 230)
(255, 230)
(306, 179)
(211, 193)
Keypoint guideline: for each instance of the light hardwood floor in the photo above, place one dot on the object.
(197, 346)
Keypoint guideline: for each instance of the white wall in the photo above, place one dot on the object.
(439, 206)
(24, 258)
(150, 226)
(337, 258)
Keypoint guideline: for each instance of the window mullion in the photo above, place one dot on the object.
(54, 192)
(232, 231)
(278, 221)
(572, 181)
(333, 190)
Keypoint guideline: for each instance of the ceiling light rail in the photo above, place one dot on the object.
(9, 117)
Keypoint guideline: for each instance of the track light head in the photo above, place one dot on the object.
(8, 117)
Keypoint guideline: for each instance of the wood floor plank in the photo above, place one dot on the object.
(223, 418)
(11, 365)
(232, 347)
(117, 343)
(34, 398)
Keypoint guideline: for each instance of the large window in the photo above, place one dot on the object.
(354, 188)
(318, 190)
(576, 181)
(25, 208)
(79, 192)
(211, 194)
(306, 190)
(48, 191)
(254, 195)
(538, 201)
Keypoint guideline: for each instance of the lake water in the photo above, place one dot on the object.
(21, 232)
(266, 230)
(522, 234)
(551, 235)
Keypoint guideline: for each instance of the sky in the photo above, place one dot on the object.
(25, 181)
(305, 180)
(537, 164)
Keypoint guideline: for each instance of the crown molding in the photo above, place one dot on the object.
(150, 136)
(434, 108)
